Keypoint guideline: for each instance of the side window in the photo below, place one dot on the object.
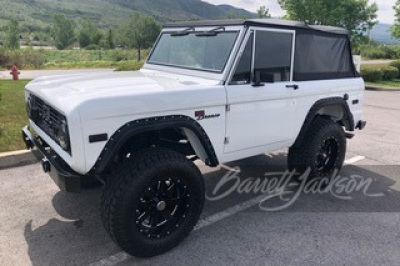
(243, 70)
(273, 55)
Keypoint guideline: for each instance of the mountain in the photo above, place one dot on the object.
(381, 33)
(236, 11)
(36, 15)
(167, 10)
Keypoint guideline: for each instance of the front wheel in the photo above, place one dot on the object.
(152, 202)
(322, 151)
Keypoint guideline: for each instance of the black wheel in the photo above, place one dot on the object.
(152, 202)
(322, 151)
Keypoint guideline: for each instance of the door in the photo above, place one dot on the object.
(259, 116)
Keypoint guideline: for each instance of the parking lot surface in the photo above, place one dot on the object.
(39, 225)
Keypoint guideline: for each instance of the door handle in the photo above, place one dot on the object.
(294, 86)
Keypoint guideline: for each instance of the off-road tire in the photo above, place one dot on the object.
(306, 155)
(125, 192)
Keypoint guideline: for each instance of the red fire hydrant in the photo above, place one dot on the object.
(15, 73)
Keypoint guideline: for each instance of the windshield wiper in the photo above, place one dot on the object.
(182, 33)
(210, 33)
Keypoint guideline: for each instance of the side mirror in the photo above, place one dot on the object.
(257, 79)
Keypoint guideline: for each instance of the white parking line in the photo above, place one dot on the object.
(228, 212)
(122, 256)
(354, 160)
(112, 260)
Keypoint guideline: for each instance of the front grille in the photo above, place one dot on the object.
(45, 117)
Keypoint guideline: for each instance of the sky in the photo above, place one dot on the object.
(385, 13)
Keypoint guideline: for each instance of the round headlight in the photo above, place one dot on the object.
(28, 105)
(62, 136)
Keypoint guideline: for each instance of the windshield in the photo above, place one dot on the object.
(194, 51)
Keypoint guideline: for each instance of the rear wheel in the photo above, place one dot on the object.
(152, 202)
(322, 151)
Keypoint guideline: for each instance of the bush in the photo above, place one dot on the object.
(373, 53)
(1, 127)
(396, 64)
(372, 75)
(28, 58)
(92, 47)
(380, 52)
(390, 73)
(129, 66)
(3, 57)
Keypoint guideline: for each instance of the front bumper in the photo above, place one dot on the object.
(65, 178)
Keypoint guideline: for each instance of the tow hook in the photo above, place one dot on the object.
(46, 165)
(361, 125)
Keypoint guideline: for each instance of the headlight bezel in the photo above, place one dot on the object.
(53, 123)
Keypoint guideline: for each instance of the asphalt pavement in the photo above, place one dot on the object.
(40, 225)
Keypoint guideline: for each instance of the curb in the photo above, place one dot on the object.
(375, 88)
(16, 158)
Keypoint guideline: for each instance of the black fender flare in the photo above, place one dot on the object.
(123, 134)
(347, 120)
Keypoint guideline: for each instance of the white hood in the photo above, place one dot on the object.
(68, 92)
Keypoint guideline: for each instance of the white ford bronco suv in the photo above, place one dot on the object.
(215, 91)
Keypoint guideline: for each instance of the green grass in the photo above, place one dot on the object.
(12, 114)
(374, 66)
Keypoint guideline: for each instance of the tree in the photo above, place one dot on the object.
(396, 27)
(12, 35)
(63, 32)
(84, 37)
(89, 34)
(358, 16)
(263, 12)
(232, 15)
(110, 40)
(141, 32)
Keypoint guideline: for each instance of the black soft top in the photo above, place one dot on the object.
(288, 24)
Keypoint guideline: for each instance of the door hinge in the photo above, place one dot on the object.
(226, 140)
(227, 107)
